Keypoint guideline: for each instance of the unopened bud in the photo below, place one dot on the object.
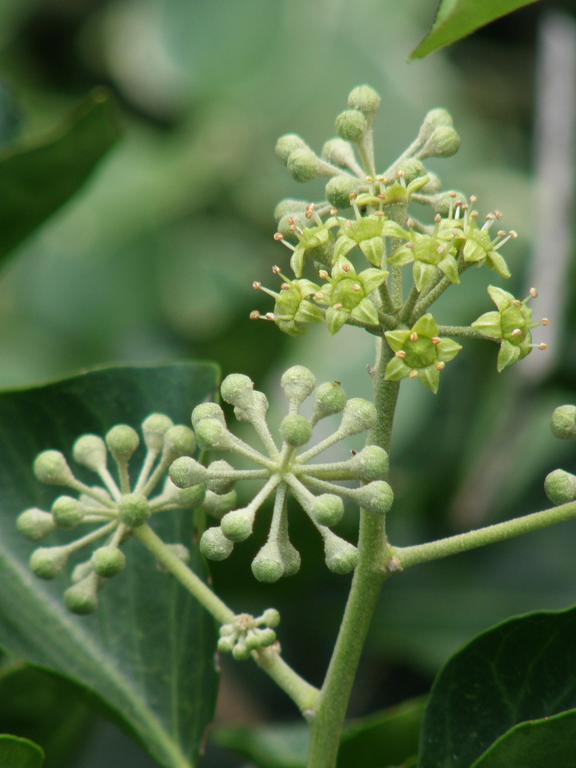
(220, 484)
(295, 430)
(67, 512)
(212, 434)
(351, 125)
(82, 598)
(341, 556)
(241, 652)
(133, 510)
(303, 165)
(371, 463)
(90, 451)
(48, 562)
(338, 190)
(560, 486)
(289, 207)
(265, 637)
(377, 497)
(122, 442)
(330, 399)
(563, 423)
(35, 524)
(411, 168)
(444, 142)
(237, 390)
(359, 415)
(298, 383)
(435, 118)
(207, 411)
(267, 566)
(218, 504)
(108, 561)
(237, 525)
(185, 472)
(178, 441)
(338, 152)
(271, 617)
(51, 468)
(365, 99)
(287, 144)
(446, 201)
(154, 428)
(327, 509)
(214, 545)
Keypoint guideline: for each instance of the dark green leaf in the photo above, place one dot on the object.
(457, 18)
(273, 746)
(523, 669)
(537, 743)
(148, 650)
(20, 753)
(36, 180)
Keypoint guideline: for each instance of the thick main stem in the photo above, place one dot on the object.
(362, 600)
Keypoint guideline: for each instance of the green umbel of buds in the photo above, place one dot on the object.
(419, 353)
(117, 505)
(563, 422)
(247, 634)
(284, 468)
(511, 325)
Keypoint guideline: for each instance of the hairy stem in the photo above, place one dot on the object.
(462, 331)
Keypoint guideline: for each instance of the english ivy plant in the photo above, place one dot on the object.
(118, 485)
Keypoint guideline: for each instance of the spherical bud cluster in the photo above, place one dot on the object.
(134, 510)
(247, 634)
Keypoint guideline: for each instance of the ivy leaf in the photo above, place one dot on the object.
(38, 179)
(549, 741)
(148, 652)
(20, 753)
(518, 671)
(456, 19)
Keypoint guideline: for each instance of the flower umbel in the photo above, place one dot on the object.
(247, 633)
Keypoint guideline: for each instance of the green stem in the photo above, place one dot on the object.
(304, 695)
(406, 311)
(404, 557)
(464, 331)
(362, 600)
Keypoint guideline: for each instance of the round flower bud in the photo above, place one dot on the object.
(270, 617)
(179, 441)
(341, 556)
(359, 415)
(214, 545)
(154, 427)
(228, 630)
(338, 190)
(338, 152)
(237, 525)
(48, 562)
(220, 484)
(265, 637)
(364, 98)
(327, 509)
(51, 468)
(285, 224)
(122, 442)
(67, 512)
(290, 557)
(241, 652)
(35, 524)
(82, 598)
(267, 566)
(444, 142)
(298, 383)
(82, 570)
(560, 486)
(289, 207)
(185, 472)
(253, 639)
(447, 200)
(371, 463)
(108, 561)
(295, 430)
(225, 644)
(90, 451)
(411, 167)
(237, 390)
(287, 144)
(133, 510)
(433, 185)
(207, 411)
(330, 399)
(186, 498)
(435, 118)
(351, 125)
(212, 434)
(564, 422)
(377, 497)
(303, 165)
(218, 504)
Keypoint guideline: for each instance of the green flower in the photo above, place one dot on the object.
(367, 233)
(314, 242)
(293, 309)
(348, 295)
(433, 255)
(511, 324)
(480, 247)
(420, 353)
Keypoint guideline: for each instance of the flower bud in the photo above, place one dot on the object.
(237, 390)
(108, 561)
(81, 570)
(444, 142)
(185, 472)
(207, 411)
(411, 168)
(67, 512)
(214, 545)
(289, 207)
(253, 639)
(435, 118)
(154, 427)
(371, 463)
(265, 637)
(327, 509)
(341, 556)
(225, 644)
(338, 152)
(268, 566)
(220, 484)
(90, 452)
(212, 434)
(365, 99)
(51, 468)
(218, 504)
(178, 441)
(433, 185)
(237, 525)
(295, 430)
(48, 562)
(351, 125)
(187, 498)
(287, 144)
(359, 415)
(285, 225)
(241, 652)
(297, 383)
(446, 201)
(338, 190)
(133, 510)
(560, 486)
(376, 497)
(122, 442)
(82, 598)
(330, 399)
(35, 524)
(290, 557)
(270, 617)
(303, 165)
(564, 422)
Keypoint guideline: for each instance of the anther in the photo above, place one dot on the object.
(542, 346)
(356, 287)
(413, 336)
(257, 285)
(276, 270)
(323, 274)
(545, 321)
(473, 199)
(435, 340)
(401, 354)
(440, 365)
(278, 236)
(516, 332)
(533, 292)
(254, 315)
(284, 287)
(338, 306)
(270, 316)
(346, 267)
(333, 211)
(413, 374)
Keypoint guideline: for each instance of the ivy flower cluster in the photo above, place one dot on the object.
(112, 509)
(560, 486)
(248, 633)
(284, 468)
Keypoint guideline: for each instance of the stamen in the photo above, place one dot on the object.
(413, 336)
(440, 365)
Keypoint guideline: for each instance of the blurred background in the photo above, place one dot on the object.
(154, 260)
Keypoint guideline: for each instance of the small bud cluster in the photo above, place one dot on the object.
(284, 469)
(560, 486)
(247, 634)
(113, 508)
